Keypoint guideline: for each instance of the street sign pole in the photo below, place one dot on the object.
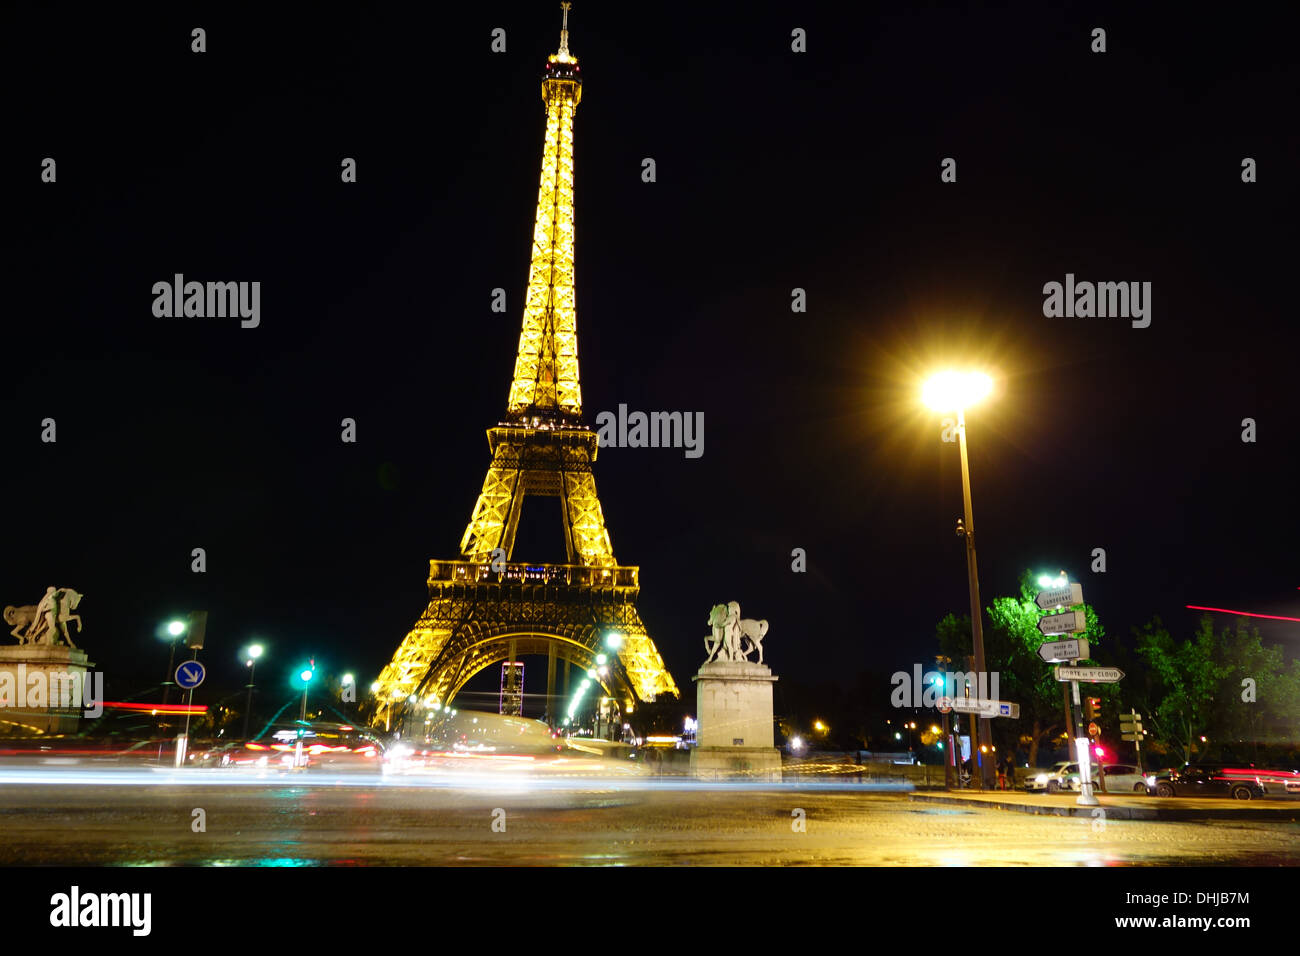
(942, 661)
(1086, 798)
(1137, 740)
(1130, 726)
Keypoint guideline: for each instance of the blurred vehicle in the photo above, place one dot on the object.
(324, 747)
(1120, 778)
(1277, 783)
(1054, 779)
(1239, 783)
(470, 732)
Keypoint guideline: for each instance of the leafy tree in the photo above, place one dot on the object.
(1227, 686)
(1188, 676)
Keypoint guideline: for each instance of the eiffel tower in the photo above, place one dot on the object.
(485, 607)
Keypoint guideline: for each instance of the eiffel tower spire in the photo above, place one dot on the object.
(486, 607)
(545, 384)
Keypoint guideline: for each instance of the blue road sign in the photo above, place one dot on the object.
(190, 675)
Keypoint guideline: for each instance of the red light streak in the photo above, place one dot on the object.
(170, 709)
(1224, 610)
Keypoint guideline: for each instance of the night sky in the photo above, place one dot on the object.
(775, 170)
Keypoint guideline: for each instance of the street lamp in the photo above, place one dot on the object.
(956, 391)
(305, 676)
(174, 630)
(251, 654)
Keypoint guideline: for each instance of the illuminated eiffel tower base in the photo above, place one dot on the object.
(485, 607)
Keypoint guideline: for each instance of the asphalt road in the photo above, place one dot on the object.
(85, 819)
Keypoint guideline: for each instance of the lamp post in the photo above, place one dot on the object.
(956, 391)
(174, 630)
(305, 675)
(251, 655)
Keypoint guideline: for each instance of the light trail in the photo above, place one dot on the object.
(1224, 610)
(474, 781)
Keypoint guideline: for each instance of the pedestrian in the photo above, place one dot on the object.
(1002, 774)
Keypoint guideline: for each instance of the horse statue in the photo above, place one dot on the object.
(43, 623)
(730, 632)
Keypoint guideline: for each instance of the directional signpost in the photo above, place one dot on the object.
(986, 708)
(1067, 596)
(1093, 675)
(1055, 651)
(1069, 622)
(1074, 650)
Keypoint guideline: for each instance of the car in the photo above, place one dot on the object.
(1239, 783)
(1120, 778)
(1054, 779)
(324, 747)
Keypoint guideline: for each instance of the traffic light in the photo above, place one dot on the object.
(1092, 708)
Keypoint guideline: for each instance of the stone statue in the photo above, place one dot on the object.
(45, 622)
(729, 633)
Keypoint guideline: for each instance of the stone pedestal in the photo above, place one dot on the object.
(734, 710)
(32, 682)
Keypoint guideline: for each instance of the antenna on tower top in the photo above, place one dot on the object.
(564, 29)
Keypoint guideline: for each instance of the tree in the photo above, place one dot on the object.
(1228, 687)
(1188, 676)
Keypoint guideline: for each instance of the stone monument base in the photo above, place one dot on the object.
(36, 682)
(734, 715)
(736, 763)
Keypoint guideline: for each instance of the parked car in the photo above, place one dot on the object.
(1054, 779)
(1120, 778)
(1239, 783)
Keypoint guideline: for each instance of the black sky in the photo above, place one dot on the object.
(775, 170)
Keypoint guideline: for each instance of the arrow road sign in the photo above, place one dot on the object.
(1070, 622)
(1072, 650)
(1094, 675)
(190, 675)
(1060, 597)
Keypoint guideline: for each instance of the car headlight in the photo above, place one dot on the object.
(1151, 780)
(1041, 778)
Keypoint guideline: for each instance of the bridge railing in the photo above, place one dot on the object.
(569, 575)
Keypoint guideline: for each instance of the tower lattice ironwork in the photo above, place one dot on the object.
(485, 607)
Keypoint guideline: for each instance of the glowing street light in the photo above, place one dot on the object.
(955, 391)
(251, 655)
(948, 392)
(174, 630)
(305, 677)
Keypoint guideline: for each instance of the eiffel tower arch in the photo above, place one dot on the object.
(486, 607)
